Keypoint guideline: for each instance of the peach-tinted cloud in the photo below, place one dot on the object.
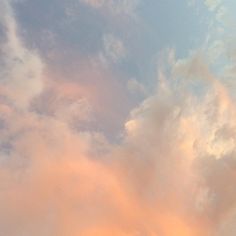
(173, 172)
(158, 181)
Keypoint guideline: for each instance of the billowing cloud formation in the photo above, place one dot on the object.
(173, 172)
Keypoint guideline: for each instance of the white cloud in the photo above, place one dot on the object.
(135, 86)
(114, 49)
(212, 4)
(216, 50)
(194, 67)
(117, 7)
(94, 3)
(221, 14)
(21, 75)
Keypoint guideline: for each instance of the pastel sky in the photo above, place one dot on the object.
(117, 118)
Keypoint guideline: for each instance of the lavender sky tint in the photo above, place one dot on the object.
(117, 117)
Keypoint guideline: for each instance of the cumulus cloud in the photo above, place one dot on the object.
(173, 172)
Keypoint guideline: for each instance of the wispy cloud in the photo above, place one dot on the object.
(122, 7)
(114, 49)
(22, 69)
(212, 4)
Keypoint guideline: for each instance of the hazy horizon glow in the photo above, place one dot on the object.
(117, 118)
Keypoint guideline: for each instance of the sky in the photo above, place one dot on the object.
(117, 117)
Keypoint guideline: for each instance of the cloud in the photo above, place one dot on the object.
(22, 69)
(121, 7)
(172, 173)
(221, 11)
(194, 67)
(94, 3)
(216, 50)
(114, 49)
(212, 4)
(135, 86)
